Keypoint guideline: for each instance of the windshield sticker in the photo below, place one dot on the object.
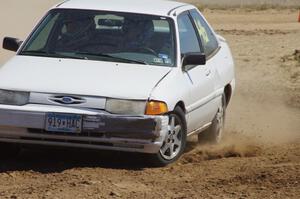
(163, 56)
(158, 60)
(167, 61)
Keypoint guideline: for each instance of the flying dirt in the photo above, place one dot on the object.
(259, 157)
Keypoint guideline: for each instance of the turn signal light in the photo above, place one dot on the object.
(156, 108)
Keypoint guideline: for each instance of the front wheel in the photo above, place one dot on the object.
(175, 141)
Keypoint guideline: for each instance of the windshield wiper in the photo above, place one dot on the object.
(52, 54)
(113, 57)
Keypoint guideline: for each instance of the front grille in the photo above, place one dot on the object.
(82, 134)
(124, 135)
(67, 141)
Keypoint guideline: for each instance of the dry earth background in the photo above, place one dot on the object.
(259, 158)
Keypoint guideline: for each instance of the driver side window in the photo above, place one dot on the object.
(188, 39)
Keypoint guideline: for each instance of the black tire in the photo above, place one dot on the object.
(9, 150)
(214, 134)
(164, 156)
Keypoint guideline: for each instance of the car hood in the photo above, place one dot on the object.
(80, 77)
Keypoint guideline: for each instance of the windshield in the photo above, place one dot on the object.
(104, 35)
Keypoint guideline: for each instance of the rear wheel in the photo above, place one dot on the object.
(214, 134)
(175, 141)
(9, 150)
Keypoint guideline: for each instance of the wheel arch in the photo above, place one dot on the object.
(181, 105)
(228, 93)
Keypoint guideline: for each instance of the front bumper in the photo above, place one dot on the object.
(100, 130)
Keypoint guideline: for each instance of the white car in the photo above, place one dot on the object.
(126, 75)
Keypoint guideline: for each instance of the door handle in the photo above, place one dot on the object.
(207, 72)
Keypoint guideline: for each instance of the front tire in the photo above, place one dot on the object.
(175, 141)
(214, 134)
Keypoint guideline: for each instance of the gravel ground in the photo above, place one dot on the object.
(260, 155)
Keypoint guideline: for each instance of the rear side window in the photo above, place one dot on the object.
(208, 39)
(187, 35)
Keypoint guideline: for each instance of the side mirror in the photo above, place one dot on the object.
(12, 44)
(192, 59)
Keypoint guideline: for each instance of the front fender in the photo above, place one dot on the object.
(172, 89)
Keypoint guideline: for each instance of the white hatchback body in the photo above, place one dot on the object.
(108, 100)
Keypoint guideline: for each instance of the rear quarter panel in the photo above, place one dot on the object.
(225, 67)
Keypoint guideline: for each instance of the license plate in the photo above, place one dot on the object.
(56, 122)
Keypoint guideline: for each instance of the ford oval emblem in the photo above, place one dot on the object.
(67, 100)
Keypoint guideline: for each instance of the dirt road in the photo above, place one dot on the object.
(259, 158)
(246, 3)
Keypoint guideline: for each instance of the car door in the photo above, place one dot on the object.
(200, 106)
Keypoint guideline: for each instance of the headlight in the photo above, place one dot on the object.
(13, 97)
(127, 107)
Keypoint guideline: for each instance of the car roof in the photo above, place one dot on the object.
(153, 7)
